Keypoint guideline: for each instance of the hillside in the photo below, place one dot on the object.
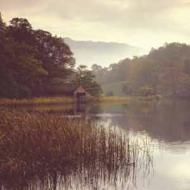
(103, 53)
(164, 71)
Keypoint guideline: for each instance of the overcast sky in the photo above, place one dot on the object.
(145, 23)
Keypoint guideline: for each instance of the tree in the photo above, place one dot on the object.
(2, 25)
(164, 71)
(86, 78)
(31, 60)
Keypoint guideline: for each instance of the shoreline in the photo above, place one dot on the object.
(70, 100)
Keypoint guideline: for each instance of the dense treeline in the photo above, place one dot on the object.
(164, 71)
(36, 63)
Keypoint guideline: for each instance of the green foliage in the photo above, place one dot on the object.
(35, 63)
(146, 91)
(164, 71)
(31, 60)
(86, 78)
(127, 88)
(110, 93)
(115, 87)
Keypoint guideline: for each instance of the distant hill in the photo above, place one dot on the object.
(164, 72)
(102, 53)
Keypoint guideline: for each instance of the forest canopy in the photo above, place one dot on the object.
(36, 63)
(164, 71)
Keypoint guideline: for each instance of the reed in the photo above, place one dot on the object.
(127, 99)
(70, 100)
(36, 101)
(46, 148)
(111, 99)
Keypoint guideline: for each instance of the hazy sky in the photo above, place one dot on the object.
(144, 23)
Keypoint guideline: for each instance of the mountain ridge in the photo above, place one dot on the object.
(100, 52)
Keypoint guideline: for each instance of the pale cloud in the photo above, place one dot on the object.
(140, 22)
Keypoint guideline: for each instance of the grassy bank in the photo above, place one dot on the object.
(37, 101)
(126, 99)
(71, 100)
(113, 99)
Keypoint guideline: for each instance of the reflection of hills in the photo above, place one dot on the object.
(167, 121)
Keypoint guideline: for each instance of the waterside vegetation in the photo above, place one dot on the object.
(44, 149)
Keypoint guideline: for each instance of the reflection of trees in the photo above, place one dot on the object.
(165, 120)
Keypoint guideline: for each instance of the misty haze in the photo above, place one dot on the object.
(95, 95)
(103, 53)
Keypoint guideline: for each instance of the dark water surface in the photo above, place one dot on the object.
(163, 126)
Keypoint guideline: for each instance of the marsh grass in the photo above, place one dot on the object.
(112, 99)
(127, 99)
(37, 101)
(69, 100)
(48, 149)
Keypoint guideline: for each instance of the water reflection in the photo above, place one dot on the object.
(167, 121)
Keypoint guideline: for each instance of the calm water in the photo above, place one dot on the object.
(165, 126)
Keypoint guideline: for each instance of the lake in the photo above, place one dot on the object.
(162, 126)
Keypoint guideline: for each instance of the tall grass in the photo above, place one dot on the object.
(127, 99)
(37, 101)
(70, 100)
(46, 150)
(43, 101)
(112, 99)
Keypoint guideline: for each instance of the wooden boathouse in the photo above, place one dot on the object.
(80, 95)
